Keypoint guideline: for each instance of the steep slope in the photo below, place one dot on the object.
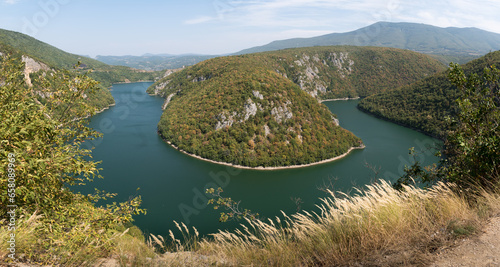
(463, 43)
(344, 71)
(14, 42)
(262, 109)
(425, 104)
(239, 110)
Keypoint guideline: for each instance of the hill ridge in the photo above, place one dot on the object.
(263, 110)
(466, 43)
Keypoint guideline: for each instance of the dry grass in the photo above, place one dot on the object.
(377, 227)
(380, 226)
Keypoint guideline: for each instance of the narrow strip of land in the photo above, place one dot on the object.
(340, 99)
(267, 168)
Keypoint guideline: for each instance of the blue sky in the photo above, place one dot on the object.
(109, 27)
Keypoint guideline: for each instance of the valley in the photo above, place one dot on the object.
(344, 144)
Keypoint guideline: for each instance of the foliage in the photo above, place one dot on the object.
(425, 104)
(473, 144)
(230, 205)
(210, 115)
(42, 146)
(471, 152)
(20, 44)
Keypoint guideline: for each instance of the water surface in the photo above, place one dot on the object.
(172, 184)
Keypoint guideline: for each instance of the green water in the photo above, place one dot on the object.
(171, 183)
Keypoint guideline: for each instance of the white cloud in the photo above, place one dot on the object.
(199, 20)
(10, 2)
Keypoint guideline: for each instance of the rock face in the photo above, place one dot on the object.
(262, 109)
(167, 101)
(32, 66)
(339, 72)
(161, 87)
(282, 113)
(239, 110)
(225, 120)
(343, 63)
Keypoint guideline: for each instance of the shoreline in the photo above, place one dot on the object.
(88, 116)
(264, 168)
(340, 99)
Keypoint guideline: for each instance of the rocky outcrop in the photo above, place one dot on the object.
(167, 101)
(282, 113)
(309, 79)
(250, 110)
(225, 120)
(32, 66)
(342, 62)
(258, 95)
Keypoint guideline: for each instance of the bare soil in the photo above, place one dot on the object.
(482, 249)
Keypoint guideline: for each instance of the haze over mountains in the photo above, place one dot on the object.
(155, 62)
(446, 44)
(413, 36)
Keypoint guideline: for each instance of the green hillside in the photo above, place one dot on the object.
(14, 42)
(239, 110)
(447, 44)
(425, 104)
(262, 109)
(343, 71)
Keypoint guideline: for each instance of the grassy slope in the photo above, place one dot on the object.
(425, 104)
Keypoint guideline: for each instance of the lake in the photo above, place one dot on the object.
(172, 184)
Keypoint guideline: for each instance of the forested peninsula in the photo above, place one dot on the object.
(262, 110)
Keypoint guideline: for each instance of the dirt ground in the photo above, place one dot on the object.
(479, 250)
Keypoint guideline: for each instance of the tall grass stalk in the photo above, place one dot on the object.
(370, 227)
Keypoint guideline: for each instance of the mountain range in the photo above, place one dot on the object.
(412, 36)
(452, 44)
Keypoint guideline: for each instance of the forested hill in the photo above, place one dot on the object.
(456, 44)
(262, 109)
(18, 43)
(340, 71)
(425, 104)
(237, 110)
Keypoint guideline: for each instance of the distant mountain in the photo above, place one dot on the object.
(449, 43)
(152, 62)
(425, 104)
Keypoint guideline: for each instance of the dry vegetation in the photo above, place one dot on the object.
(379, 227)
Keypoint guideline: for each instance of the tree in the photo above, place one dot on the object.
(471, 154)
(41, 154)
(473, 146)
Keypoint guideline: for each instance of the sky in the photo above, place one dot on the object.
(126, 27)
